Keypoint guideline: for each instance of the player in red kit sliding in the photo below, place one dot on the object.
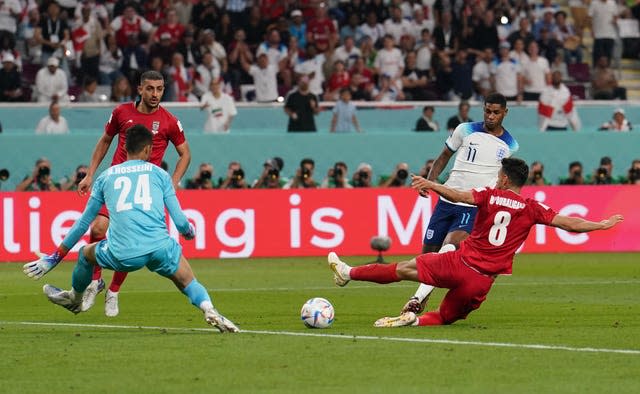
(165, 128)
(502, 224)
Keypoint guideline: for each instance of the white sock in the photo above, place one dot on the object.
(425, 290)
(206, 306)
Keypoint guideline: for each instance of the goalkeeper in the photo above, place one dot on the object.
(135, 193)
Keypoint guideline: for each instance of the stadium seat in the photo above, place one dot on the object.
(579, 72)
(578, 91)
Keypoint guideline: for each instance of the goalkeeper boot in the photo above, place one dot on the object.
(65, 298)
(220, 322)
(406, 319)
(340, 270)
(111, 304)
(415, 305)
(90, 294)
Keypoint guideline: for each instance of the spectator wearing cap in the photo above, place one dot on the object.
(271, 178)
(547, 22)
(220, 109)
(298, 28)
(163, 48)
(53, 123)
(206, 72)
(556, 110)
(506, 75)
(543, 7)
(301, 106)
(10, 87)
(51, 83)
(173, 27)
(396, 26)
(389, 59)
(426, 122)
(264, 78)
(619, 123)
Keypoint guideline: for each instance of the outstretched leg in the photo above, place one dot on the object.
(186, 282)
(97, 233)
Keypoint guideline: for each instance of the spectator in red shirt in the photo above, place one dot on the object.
(366, 74)
(339, 79)
(321, 31)
(172, 27)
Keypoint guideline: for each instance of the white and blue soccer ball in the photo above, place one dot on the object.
(317, 313)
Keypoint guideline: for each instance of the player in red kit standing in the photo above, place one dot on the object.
(165, 128)
(502, 224)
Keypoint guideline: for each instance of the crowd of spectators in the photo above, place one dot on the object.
(379, 50)
(337, 176)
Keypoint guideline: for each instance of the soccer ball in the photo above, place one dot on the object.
(317, 313)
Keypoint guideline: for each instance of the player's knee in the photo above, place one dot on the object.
(407, 270)
(99, 227)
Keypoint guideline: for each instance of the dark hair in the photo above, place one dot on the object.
(574, 164)
(496, 98)
(463, 103)
(138, 136)
(516, 170)
(151, 75)
(307, 160)
(279, 161)
(426, 107)
(605, 160)
(88, 80)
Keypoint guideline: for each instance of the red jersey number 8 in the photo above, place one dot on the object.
(498, 232)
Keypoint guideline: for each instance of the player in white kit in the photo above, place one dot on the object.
(479, 149)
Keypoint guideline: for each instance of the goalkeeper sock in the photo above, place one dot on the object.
(81, 273)
(425, 290)
(97, 270)
(198, 295)
(378, 273)
(117, 280)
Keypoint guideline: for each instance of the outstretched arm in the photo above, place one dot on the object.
(579, 225)
(184, 153)
(422, 185)
(439, 164)
(37, 269)
(96, 158)
(182, 224)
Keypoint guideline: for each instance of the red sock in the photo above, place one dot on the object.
(97, 270)
(378, 273)
(430, 319)
(117, 280)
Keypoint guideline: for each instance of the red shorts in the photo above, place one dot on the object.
(104, 211)
(468, 287)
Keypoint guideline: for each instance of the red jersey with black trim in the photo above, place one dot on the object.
(502, 224)
(164, 126)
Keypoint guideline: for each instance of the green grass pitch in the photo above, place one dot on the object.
(561, 323)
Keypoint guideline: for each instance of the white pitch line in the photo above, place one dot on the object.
(349, 337)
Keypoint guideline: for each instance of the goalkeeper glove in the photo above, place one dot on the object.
(191, 234)
(39, 268)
